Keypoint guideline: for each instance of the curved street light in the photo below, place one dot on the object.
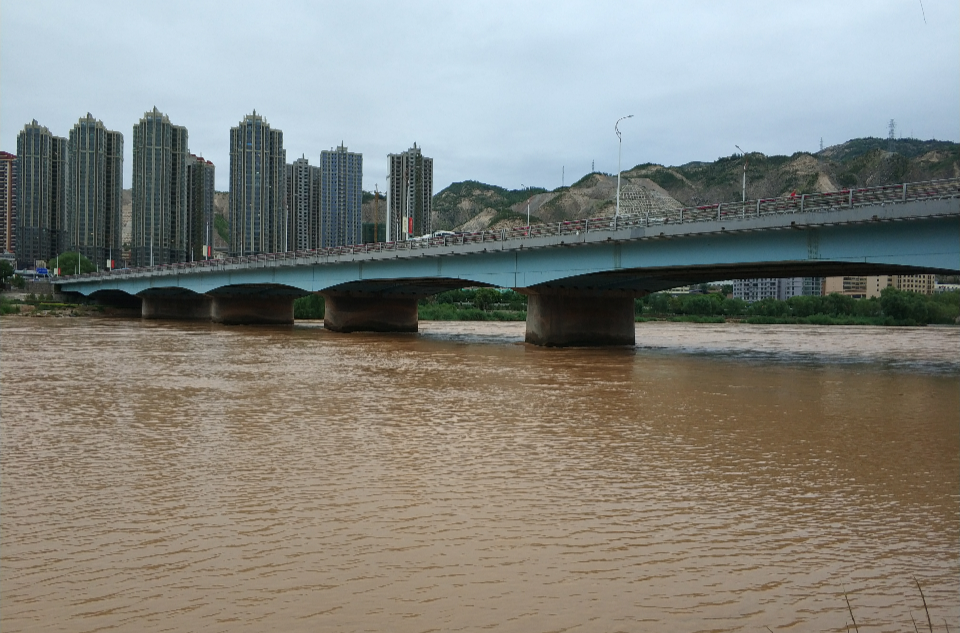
(616, 129)
(743, 189)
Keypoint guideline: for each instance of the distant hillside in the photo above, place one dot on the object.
(864, 162)
(221, 205)
(463, 201)
(861, 162)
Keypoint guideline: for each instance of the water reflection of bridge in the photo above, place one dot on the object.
(580, 277)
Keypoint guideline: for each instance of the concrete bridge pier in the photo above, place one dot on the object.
(579, 318)
(252, 309)
(370, 312)
(182, 306)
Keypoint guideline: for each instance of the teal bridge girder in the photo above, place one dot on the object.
(907, 228)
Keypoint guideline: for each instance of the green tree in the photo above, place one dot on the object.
(734, 306)
(944, 307)
(804, 306)
(514, 299)
(867, 307)
(309, 307)
(768, 307)
(659, 303)
(455, 296)
(698, 304)
(67, 263)
(908, 307)
(6, 271)
(484, 298)
(837, 305)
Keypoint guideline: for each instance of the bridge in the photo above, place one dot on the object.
(580, 277)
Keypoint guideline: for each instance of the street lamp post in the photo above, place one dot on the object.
(616, 129)
(524, 187)
(743, 189)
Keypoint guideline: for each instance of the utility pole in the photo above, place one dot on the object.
(616, 128)
(376, 212)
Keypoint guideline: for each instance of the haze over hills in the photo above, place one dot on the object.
(864, 162)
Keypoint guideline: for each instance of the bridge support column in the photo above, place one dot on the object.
(252, 309)
(183, 307)
(369, 312)
(570, 318)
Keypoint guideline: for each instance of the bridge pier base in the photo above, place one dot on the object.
(249, 309)
(369, 312)
(568, 318)
(182, 307)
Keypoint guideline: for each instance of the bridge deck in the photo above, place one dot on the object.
(510, 257)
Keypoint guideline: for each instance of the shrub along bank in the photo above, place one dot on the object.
(474, 304)
(468, 304)
(893, 307)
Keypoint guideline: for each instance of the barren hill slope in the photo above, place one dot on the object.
(865, 162)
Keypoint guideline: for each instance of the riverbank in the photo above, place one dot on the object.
(43, 307)
(931, 311)
(816, 319)
(445, 312)
(448, 313)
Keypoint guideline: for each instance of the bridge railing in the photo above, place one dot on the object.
(726, 211)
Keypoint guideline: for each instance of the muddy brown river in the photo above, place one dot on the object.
(162, 476)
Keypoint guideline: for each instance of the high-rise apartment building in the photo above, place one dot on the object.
(341, 197)
(409, 194)
(751, 290)
(799, 287)
(776, 288)
(161, 232)
(40, 195)
(851, 286)
(94, 191)
(867, 286)
(8, 202)
(924, 284)
(258, 188)
(58, 201)
(200, 195)
(303, 204)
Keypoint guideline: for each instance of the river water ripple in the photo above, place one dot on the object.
(159, 476)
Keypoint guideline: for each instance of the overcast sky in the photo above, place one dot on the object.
(507, 93)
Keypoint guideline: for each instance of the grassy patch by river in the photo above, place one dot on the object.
(450, 312)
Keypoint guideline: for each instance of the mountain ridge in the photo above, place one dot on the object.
(863, 162)
(471, 205)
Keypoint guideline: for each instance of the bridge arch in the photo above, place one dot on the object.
(901, 229)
